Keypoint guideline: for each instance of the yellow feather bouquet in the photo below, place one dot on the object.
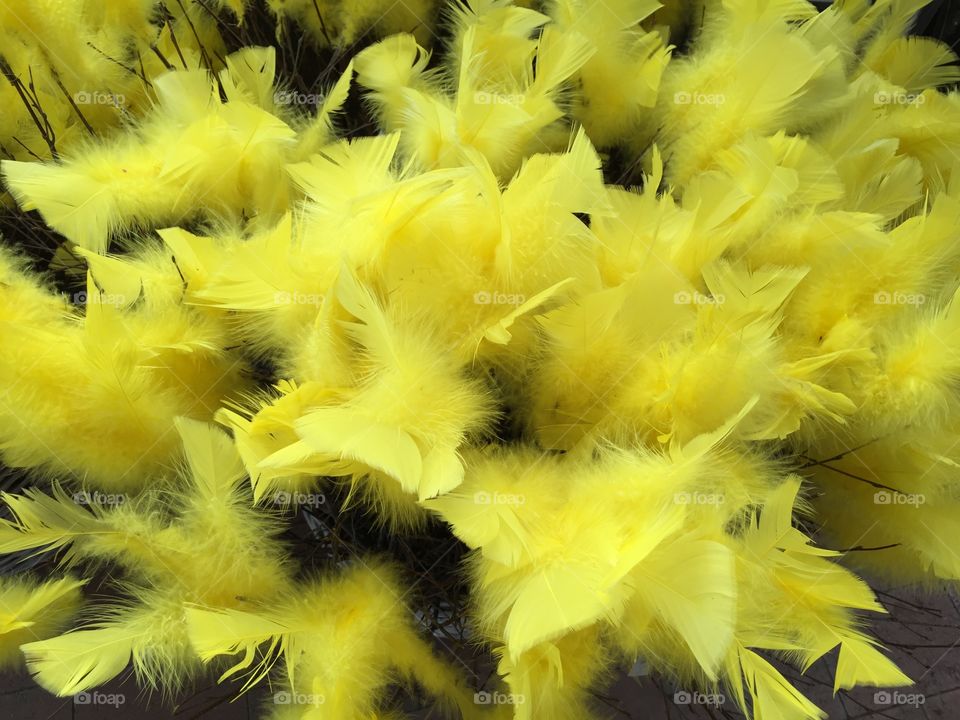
(599, 332)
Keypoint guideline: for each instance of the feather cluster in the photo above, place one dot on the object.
(611, 389)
